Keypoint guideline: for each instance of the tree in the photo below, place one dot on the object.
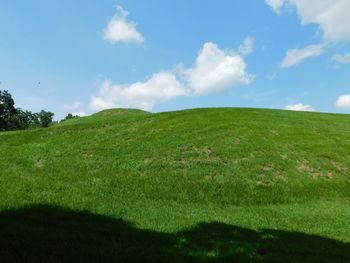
(34, 118)
(27, 119)
(8, 111)
(46, 118)
(12, 118)
(70, 116)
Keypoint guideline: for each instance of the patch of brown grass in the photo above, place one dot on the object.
(306, 168)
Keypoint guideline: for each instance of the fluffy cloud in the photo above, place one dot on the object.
(296, 56)
(119, 29)
(332, 18)
(160, 87)
(72, 106)
(343, 102)
(276, 5)
(216, 70)
(330, 15)
(299, 107)
(345, 58)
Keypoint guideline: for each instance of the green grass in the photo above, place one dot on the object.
(203, 185)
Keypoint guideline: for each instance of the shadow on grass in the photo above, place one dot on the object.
(51, 234)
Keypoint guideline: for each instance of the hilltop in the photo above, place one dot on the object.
(190, 175)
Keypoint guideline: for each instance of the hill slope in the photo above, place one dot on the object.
(167, 172)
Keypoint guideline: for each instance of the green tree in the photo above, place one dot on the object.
(70, 116)
(12, 118)
(46, 118)
(27, 119)
(34, 118)
(8, 111)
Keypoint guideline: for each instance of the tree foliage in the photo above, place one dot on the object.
(12, 118)
(45, 118)
(7, 110)
(70, 116)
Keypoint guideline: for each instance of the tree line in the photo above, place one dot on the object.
(12, 118)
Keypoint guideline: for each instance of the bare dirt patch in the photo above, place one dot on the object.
(306, 168)
(284, 157)
(272, 175)
(340, 167)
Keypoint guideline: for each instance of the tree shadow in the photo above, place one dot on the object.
(53, 234)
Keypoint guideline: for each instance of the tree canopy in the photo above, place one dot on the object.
(12, 118)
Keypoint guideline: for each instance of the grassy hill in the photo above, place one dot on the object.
(203, 185)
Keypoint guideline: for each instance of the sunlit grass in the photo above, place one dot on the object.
(167, 172)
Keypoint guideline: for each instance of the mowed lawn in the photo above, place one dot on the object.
(203, 185)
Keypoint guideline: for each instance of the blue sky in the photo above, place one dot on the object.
(85, 55)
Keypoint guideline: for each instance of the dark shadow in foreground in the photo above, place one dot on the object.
(49, 234)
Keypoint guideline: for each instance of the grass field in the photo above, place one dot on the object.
(203, 185)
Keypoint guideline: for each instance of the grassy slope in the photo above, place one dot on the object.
(170, 173)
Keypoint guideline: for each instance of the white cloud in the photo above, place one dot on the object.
(296, 56)
(160, 87)
(79, 113)
(345, 58)
(119, 29)
(216, 70)
(72, 106)
(330, 15)
(299, 107)
(276, 5)
(332, 19)
(247, 47)
(343, 102)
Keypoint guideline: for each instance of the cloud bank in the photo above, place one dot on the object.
(160, 87)
(330, 15)
(299, 107)
(215, 70)
(332, 19)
